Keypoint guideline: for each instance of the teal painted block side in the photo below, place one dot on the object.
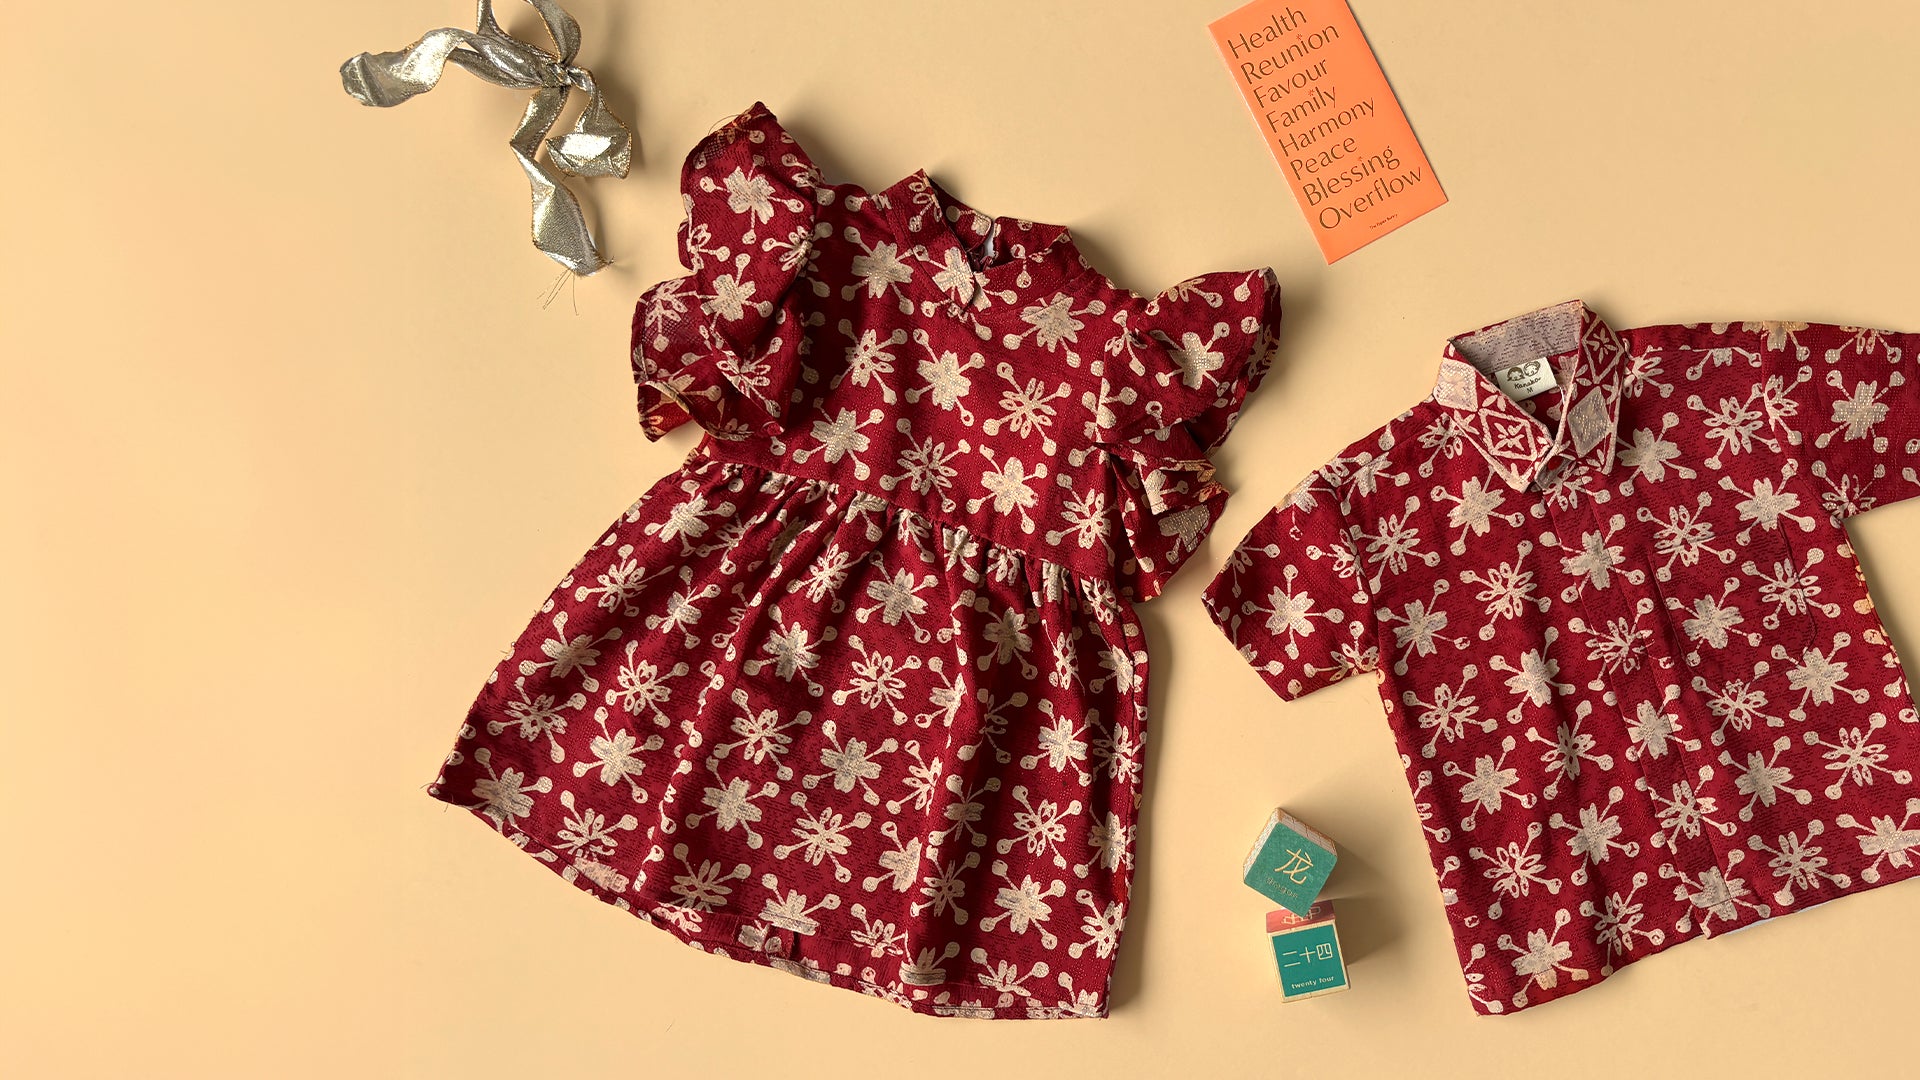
(1289, 864)
(1309, 960)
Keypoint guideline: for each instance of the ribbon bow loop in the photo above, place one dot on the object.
(599, 143)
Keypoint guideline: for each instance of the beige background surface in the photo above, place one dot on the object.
(292, 451)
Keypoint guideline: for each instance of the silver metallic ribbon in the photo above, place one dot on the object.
(598, 145)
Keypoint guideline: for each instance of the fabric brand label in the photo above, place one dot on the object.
(1525, 379)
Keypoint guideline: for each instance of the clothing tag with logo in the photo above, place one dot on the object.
(1525, 379)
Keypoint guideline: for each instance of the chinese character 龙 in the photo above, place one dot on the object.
(1298, 867)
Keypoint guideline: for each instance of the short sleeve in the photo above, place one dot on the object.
(721, 346)
(1174, 381)
(1858, 415)
(1291, 598)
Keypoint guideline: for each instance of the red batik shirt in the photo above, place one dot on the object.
(1638, 685)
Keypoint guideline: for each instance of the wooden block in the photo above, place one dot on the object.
(1306, 950)
(1289, 863)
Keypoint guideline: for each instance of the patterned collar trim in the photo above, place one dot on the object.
(1528, 445)
(972, 252)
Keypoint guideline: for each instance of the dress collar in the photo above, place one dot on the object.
(969, 251)
(1525, 449)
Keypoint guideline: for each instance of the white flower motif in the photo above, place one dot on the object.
(1858, 414)
(731, 805)
(1197, 359)
(1767, 506)
(1025, 905)
(1712, 622)
(1060, 745)
(1542, 958)
(1053, 321)
(1535, 677)
(1009, 485)
(792, 651)
(946, 380)
(1488, 785)
(1595, 561)
(1007, 634)
(730, 297)
(1649, 454)
(1288, 611)
(615, 753)
(752, 195)
(850, 764)
(502, 797)
(899, 597)
(1593, 838)
(841, 436)
(880, 268)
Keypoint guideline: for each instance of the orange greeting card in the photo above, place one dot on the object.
(1327, 114)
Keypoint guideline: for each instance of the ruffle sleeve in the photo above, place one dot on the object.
(1175, 380)
(721, 346)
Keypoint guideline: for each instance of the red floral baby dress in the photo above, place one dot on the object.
(859, 692)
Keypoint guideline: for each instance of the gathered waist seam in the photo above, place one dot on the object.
(706, 453)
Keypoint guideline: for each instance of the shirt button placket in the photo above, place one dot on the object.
(1666, 764)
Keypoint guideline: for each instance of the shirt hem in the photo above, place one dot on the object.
(1486, 1005)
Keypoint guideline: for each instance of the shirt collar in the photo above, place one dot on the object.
(1589, 360)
